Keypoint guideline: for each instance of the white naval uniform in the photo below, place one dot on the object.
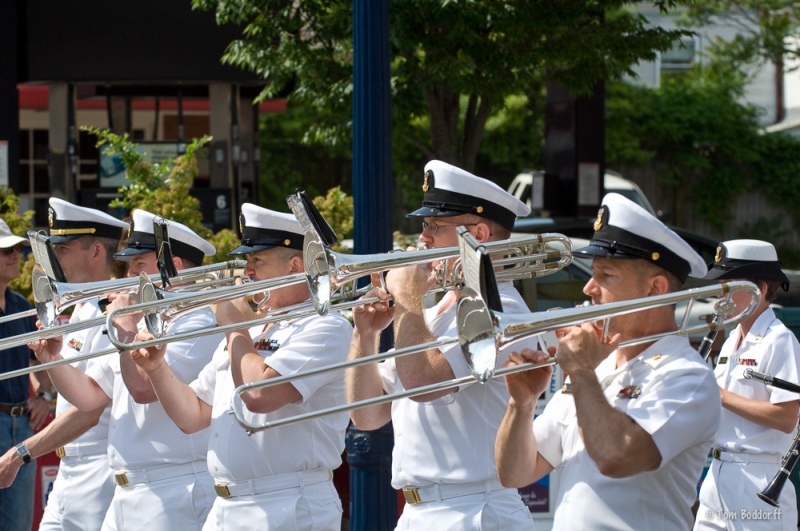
(728, 497)
(275, 461)
(84, 486)
(143, 441)
(447, 444)
(670, 393)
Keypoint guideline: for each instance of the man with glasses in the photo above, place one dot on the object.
(20, 415)
(156, 466)
(84, 240)
(443, 456)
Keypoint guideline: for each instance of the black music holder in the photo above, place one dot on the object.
(166, 267)
(45, 256)
(311, 215)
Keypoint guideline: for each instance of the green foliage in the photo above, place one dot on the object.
(454, 62)
(19, 224)
(161, 189)
(703, 142)
(337, 209)
(224, 242)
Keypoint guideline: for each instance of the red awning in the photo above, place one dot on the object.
(36, 97)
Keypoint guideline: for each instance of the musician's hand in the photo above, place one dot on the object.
(127, 325)
(374, 317)
(525, 387)
(581, 347)
(235, 310)
(409, 284)
(46, 349)
(38, 409)
(150, 358)
(9, 466)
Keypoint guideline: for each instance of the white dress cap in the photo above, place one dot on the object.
(184, 242)
(264, 229)
(68, 221)
(747, 260)
(7, 238)
(451, 191)
(624, 229)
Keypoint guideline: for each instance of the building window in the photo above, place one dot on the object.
(680, 56)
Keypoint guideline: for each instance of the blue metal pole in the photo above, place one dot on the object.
(373, 503)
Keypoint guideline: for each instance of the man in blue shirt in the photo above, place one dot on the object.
(20, 415)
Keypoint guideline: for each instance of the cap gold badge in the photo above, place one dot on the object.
(598, 223)
(720, 251)
(425, 184)
(51, 214)
(655, 256)
(286, 242)
(241, 223)
(479, 210)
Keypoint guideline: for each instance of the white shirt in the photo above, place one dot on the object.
(142, 435)
(83, 342)
(670, 392)
(288, 347)
(450, 439)
(771, 348)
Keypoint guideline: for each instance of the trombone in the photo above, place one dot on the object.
(53, 297)
(327, 272)
(482, 335)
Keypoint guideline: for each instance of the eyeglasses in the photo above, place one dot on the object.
(8, 250)
(433, 227)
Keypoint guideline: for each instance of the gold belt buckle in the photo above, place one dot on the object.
(411, 495)
(222, 491)
(716, 453)
(61, 452)
(121, 478)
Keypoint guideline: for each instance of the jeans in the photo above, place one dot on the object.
(16, 502)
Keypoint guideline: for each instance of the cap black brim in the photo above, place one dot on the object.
(247, 249)
(430, 212)
(126, 255)
(65, 239)
(591, 251)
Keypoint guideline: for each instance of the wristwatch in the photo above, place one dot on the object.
(48, 396)
(23, 453)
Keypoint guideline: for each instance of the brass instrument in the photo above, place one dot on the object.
(481, 335)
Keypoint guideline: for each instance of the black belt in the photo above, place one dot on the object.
(14, 411)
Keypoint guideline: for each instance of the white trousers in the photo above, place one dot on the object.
(729, 499)
(174, 504)
(309, 508)
(500, 510)
(81, 494)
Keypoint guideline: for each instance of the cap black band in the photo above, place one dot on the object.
(446, 200)
(84, 228)
(147, 241)
(626, 244)
(732, 268)
(142, 240)
(256, 236)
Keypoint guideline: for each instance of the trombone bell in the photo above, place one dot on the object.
(476, 334)
(318, 272)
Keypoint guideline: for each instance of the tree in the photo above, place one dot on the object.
(766, 30)
(454, 62)
(163, 189)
